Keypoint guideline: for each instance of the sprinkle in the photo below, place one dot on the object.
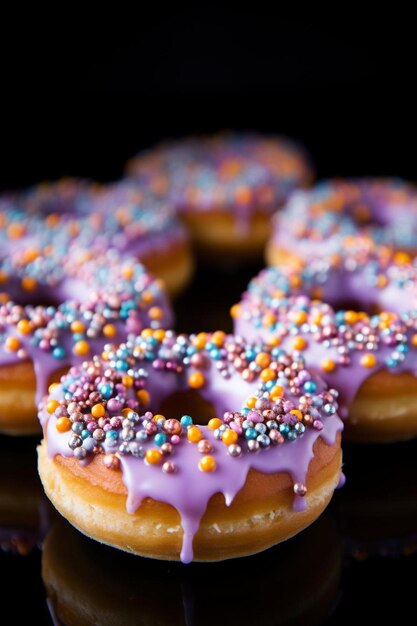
(81, 348)
(194, 434)
(63, 424)
(196, 380)
(368, 360)
(207, 464)
(12, 344)
(153, 456)
(229, 437)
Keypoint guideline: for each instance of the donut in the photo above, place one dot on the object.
(171, 488)
(225, 187)
(138, 223)
(58, 307)
(118, 215)
(87, 583)
(383, 209)
(369, 357)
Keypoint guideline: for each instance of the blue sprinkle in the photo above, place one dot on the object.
(58, 352)
(251, 433)
(186, 420)
(160, 439)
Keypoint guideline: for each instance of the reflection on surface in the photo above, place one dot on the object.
(24, 510)
(377, 509)
(88, 583)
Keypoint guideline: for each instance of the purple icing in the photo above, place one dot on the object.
(241, 173)
(384, 209)
(189, 490)
(93, 292)
(368, 276)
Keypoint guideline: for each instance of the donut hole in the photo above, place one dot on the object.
(188, 402)
(353, 304)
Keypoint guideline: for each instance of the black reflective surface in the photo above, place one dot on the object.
(359, 561)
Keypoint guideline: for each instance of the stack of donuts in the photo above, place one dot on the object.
(206, 446)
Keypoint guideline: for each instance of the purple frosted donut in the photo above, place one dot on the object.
(225, 187)
(56, 308)
(120, 215)
(370, 358)
(383, 209)
(173, 488)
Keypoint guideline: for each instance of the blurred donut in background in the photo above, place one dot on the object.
(225, 187)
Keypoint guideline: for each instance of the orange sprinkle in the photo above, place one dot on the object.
(147, 297)
(351, 317)
(200, 340)
(81, 348)
(127, 380)
(296, 281)
(12, 344)
(274, 341)
(196, 380)
(155, 313)
(52, 220)
(3, 276)
(63, 424)
(218, 338)
(235, 311)
(368, 360)
(146, 332)
(381, 281)
(153, 456)
(159, 334)
(51, 406)
(29, 283)
(328, 365)
(98, 410)
(24, 327)
(30, 255)
(214, 423)
(77, 327)
(263, 359)
(143, 396)
(16, 230)
(127, 272)
(194, 434)
(299, 343)
(269, 319)
(229, 437)
(109, 330)
(414, 340)
(250, 402)
(300, 317)
(297, 413)
(402, 258)
(207, 464)
(52, 386)
(268, 374)
(276, 392)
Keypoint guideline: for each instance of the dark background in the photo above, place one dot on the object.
(79, 97)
